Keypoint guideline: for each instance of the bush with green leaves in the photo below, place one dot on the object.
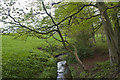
(84, 49)
(83, 44)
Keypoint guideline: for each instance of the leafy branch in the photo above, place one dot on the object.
(64, 41)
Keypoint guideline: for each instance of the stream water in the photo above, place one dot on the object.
(63, 71)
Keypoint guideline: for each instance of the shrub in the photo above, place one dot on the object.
(84, 52)
(84, 49)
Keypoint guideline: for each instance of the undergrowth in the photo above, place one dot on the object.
(101, 70)
(23, 59)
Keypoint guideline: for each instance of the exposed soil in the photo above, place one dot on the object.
(99, 56)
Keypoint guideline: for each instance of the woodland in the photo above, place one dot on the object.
(39, 34)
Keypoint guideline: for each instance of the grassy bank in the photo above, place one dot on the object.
(24, 59)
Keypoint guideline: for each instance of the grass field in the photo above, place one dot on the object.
(24, 59)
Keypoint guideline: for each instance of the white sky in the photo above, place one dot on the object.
(25, 2)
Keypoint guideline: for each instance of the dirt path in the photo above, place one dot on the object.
(89, 62)
(98, 57)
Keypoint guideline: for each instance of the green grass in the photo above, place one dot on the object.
(23, 59)
(21, 47)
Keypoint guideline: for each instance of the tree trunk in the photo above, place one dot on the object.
(119, 48)
(110, 34)
(79, 61)
(115, 20)
(102, 36)
(93, 34)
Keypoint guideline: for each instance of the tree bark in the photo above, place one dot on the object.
(115, 20)
(93, 34)
(102, 36)
(110, 34)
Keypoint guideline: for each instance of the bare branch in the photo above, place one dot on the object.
(8, 22)
(98, 27)
(70, 21)
(37, 13)
(84, 18)
(90, 17)
(74, 13)
(48, 14)
(18, 36)
(57, 3)
(13, 19)
(28, 27)
(55, 25)
(111, 7)
(56, 39)
(63, 41)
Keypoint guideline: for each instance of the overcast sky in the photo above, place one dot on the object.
(21, 4)
(26, 2)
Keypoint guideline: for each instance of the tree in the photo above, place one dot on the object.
(18, 24)
(112, 35)
(55, 27)
(114, 50)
